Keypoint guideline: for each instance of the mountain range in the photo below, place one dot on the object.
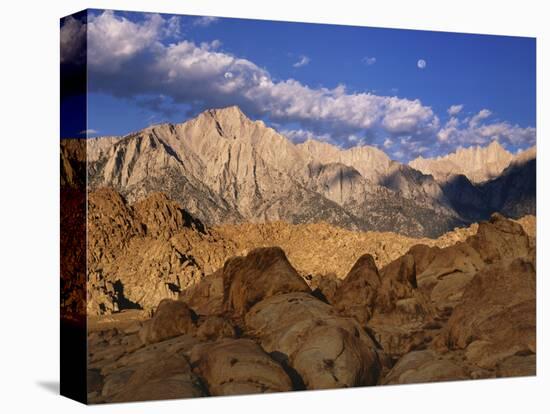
(225, 168)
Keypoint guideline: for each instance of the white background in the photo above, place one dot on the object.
(29, 206)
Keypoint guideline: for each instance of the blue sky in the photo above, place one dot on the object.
(345, 85)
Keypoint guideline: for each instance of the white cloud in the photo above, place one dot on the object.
(304, 60)
(302, 135)
(455, 109)
(472, 132)
(421, 63)
(369, 61)
(388, 143)
(89, 132)
(112, 40)
(129, 59)
(481, 115)
(73, 40)
(205, 21)
(173, 26)
(188, 72)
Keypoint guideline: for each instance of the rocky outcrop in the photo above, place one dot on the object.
(496, 318)
(193, 311)
(446, 272)
(126, 370)
(358, 292)
(425, 366)
(155, 239)
(264, 272)
(482, 292)
(172, 318)
(325, 349)
(207, 296)
(161, 378)
(238, 366)
(388, 302)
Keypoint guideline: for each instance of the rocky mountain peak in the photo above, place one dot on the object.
(495, 146)
(222, 167)
(371, 162)
(229, 122)
(478, 163)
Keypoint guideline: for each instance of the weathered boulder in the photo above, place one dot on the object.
(264, 272)
(212, 328)
(131, 371)
(423, 256)
(517, 366)
(206, 296)
(172, 318)
(388, 302)
(497, 316)
(450, 270)
(500, 238)
(424, 366)
(398, 281)
(324, 348)
(165, 377)
(460, 258)
(357, 293)
(324, 286)
(403, 317)
(238, 366)
(132, 358)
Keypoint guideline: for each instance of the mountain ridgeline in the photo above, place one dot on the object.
(224, 168)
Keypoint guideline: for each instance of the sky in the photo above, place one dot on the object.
(409, 93)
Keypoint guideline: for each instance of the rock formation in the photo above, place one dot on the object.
(171, 251)
(464, 310)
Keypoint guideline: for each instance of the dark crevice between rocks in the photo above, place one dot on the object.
(319, 295)
(372, 335)
(122, 301)
(295, 377)
(173, 287)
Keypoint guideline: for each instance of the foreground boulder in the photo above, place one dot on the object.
(172, 318)
(424, 366)
(356, 295)
(388, 302)
(445, 273)
(264, 272)
(497, 317)
(212, 328)
(238, 366)
(165, 377)
(325, 349)
(403, 317)
(207, 295)
(126, 370)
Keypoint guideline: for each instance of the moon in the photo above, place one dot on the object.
(421, 63)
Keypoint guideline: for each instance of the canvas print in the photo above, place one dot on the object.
(253, 206)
